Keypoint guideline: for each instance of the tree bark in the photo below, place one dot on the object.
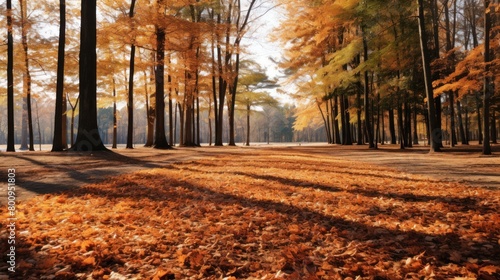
(366, 91)
(60, 114)
(88, 138)
(160, 138)
(130, 101)
(435, 133)
(487, 80)
(115, 121)
(10, 81)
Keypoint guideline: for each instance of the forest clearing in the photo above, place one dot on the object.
(283, 212)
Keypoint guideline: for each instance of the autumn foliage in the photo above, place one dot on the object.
(277, 215)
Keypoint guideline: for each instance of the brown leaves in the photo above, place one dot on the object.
(282, 216)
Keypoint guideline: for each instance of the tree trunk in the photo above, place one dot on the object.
(58, 144)
(487, 80)
(26, 73)
(401, 126)
(115, 121)
(359, 126)
(479, 122)
(366, 91)
(392, 126)
(493, 127)
(160, 138)
(248, 125)
(24, 126)
(336, 121)
(88, 138)
(463, 137)
(130, 101)
(327, 124)
(10, 81)
(435, 133)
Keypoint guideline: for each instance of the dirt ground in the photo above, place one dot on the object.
(47, 172)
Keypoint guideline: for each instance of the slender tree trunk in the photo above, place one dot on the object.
(73, 109)
(24, 126)
(59, 142)
(115, 121)
(435, 133)
(130, 101)
(493, 127)
(487, 80)
(88, 138)
(359, 126)
(401, 126)
(327, 124)
(26, 74)
(415, 123)
(336, 121)
(368, 124)
(233, 90)
(150, 112)
(479, 122)
(463, 138)
(382, 115)
(248, 125)
(392, 126)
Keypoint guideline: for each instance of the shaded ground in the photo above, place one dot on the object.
(291, 212)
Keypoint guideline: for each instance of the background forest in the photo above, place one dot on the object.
(180, 70)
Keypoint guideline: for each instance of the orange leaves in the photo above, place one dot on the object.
(282, 215)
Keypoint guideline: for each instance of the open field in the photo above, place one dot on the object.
(287, 212)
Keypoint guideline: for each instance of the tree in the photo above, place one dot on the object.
(253, 79)
(435, 132)
(88, 138)
(487, 79)
(160, 138)
(57, 144)
(130, 102)
(10, 80)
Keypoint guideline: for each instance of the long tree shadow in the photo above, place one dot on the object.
(459, 203)
(373, 239)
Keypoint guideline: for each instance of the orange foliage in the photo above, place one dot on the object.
(285, 216)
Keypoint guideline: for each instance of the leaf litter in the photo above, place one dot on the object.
(261, 217)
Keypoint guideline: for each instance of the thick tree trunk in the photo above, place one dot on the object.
(160, 138)
(435, 133)
(88, 138)
(10, 81)
(59, 142)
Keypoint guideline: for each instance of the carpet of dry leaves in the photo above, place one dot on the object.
(280, 216)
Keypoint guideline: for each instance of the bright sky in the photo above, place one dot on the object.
(259, 45)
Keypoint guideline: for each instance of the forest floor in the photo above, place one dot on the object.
(261, 212)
